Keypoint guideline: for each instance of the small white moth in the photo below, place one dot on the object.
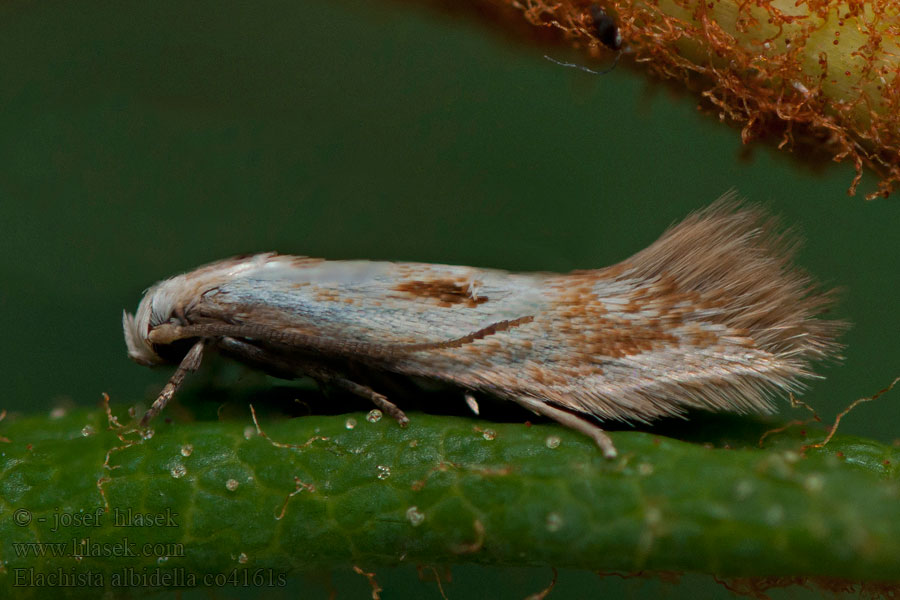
(711, 316)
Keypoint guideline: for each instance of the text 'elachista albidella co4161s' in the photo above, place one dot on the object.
(712, 316)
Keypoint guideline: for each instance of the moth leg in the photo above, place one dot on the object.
(572, 421)
(189, 364)
(279, 366)
(377, 399)
(257, 358)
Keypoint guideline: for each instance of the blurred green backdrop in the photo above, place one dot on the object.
(140, 139)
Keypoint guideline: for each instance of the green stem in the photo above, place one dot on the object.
(215, 497)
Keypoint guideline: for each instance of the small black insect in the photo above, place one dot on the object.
(605, 28)
(607, 33)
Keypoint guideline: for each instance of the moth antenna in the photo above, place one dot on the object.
(189, 364)
(168, 333)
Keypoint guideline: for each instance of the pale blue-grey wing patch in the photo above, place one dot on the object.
(378, 302)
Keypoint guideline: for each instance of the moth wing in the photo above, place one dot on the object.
(713, 315)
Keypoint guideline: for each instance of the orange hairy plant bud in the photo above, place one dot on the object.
(818, 77)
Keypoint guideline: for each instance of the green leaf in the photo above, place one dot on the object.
(205, 499)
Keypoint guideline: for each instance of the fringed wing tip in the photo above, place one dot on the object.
(734, 260)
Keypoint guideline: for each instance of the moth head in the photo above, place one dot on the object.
(170, 300)
(165, 302)
(153, 310)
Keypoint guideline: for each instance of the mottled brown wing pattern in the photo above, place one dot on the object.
(710, 316)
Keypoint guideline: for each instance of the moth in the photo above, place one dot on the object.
(712, 316)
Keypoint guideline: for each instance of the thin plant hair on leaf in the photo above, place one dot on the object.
(837, 421)
(792, 423)
(373, 582)
(712, 316)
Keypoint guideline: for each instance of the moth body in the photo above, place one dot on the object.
(711, 316)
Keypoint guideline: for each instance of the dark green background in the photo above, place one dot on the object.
(140, 139)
